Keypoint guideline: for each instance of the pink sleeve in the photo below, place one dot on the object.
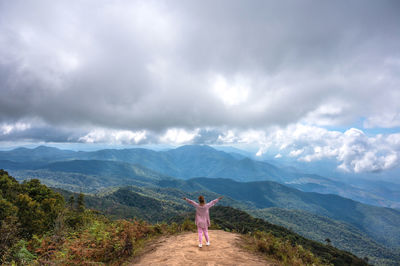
(212, 203)
(191, 202)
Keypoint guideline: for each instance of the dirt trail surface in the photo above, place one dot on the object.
(182, 249)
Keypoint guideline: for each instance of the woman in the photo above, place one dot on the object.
(202, 217)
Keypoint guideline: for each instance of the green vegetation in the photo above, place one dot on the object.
(267, 234)
(94, 171)
(379, 224)
(361, 229)
(138, 202)
(335, 233)
(37, 227)
(148, 203)
(282, 252)
(376, 223)
(91, 175)
(31, 205)
(132, 202)
(26, 209)
(69, 234)
(101, 241)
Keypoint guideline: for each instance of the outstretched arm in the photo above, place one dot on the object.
(191, 202)
(213, 202)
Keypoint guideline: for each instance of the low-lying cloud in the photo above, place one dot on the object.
(353, 149)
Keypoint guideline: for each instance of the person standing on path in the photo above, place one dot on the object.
(202, 217)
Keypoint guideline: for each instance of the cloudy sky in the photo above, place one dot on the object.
(306, 79)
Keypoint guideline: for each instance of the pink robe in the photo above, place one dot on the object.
(202, 214)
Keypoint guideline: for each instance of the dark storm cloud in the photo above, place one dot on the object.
(153, 65)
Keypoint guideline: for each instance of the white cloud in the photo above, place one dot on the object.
(360, 153)
(260, 152)
(385, 120)
(250, 136)
(7, 128)
(326, 115)
(394, 140)
(233, 93)
(227, 137)
(178, 136)
(296, 153)
(354, 151)
(114, 136)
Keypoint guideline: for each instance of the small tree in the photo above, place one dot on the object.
(328, 241)
(71, 202)
(81, 202)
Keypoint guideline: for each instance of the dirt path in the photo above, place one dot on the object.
(183, 250)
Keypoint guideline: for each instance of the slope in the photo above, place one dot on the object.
(225, 250)
(89, 175)
(149, 203)
(378, 223)
(318, 228)
(156, 204)
(381, 224)
(231, 219)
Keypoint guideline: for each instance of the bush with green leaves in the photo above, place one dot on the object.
(282, 251)
(25, 209)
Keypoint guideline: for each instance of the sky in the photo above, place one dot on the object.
(307, 80)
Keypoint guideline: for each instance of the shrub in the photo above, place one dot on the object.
(101, 241)
(20, 253)
(9, 237)
(280, 250)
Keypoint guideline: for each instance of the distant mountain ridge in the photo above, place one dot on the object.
(192, 161)
(184, 162)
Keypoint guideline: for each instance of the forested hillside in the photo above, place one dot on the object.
(232, 219)
(381, 224)
(122, 189)
(41, 228)
(371, 222)
(131, 202)
(323, 230)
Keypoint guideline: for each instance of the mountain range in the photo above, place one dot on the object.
(192, 161)
(150, 184)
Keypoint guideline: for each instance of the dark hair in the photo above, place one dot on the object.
(201, 199)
